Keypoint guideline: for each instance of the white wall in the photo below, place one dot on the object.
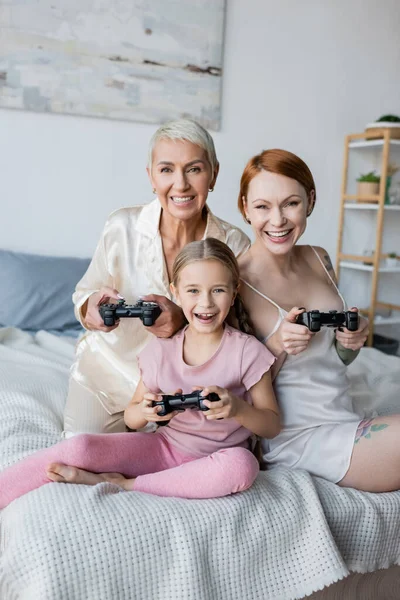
(297, 75)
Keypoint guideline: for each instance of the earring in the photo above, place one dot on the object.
(248, 221)
(154, 190)
(211, 190)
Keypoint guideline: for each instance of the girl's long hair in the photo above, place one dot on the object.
(213, 249)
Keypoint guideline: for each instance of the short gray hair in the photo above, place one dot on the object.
(185, 129)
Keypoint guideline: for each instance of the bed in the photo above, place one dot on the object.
(289, 536)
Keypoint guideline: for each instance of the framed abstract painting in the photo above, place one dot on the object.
(135, 60)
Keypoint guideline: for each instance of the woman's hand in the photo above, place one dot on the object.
(354, 340)
(293, 337)
(92, 318)
(150, 412)
(171, 318)
(226, 407)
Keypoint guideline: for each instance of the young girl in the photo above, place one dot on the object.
(197, 454)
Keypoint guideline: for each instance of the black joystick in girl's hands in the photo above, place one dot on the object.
(314, 319)
(181, 402)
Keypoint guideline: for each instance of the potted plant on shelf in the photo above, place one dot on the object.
(368, 185)
(386, 123)
(391, 259)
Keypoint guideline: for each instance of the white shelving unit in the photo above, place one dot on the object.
(361, 267)
(386, 321)
(372, 143)
(357, 208)
(377, 320)
(360, 206)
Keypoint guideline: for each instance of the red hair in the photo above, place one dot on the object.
(281, 162)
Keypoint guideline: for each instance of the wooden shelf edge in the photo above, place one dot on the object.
(373, 198)
(379, 134)
(363, 259)
(387, 305)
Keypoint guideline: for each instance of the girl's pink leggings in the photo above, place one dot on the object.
(160, 468)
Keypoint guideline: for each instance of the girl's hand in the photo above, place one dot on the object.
(150, 412)
(294, 338)
(171, 318)
(92, 318)
(226, 407)
(354, 340)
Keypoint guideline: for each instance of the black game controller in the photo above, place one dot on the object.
(183, 401)
(148, 312)
(314, 319)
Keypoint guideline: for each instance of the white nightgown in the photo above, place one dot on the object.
(318, 421)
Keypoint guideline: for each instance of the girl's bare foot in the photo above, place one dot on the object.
(66, 474)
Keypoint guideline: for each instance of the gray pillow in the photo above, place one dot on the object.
(36, 290)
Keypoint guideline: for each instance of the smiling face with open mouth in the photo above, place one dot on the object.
(181, 174)
(277, 208)
(205, 292)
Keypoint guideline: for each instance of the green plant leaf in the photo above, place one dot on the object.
(371, 177)
(388, 119)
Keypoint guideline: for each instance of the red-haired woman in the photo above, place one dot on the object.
(280, 279)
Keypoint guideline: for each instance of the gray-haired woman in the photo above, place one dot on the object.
(133, 259)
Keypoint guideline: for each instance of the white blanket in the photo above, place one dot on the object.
(288, 536)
